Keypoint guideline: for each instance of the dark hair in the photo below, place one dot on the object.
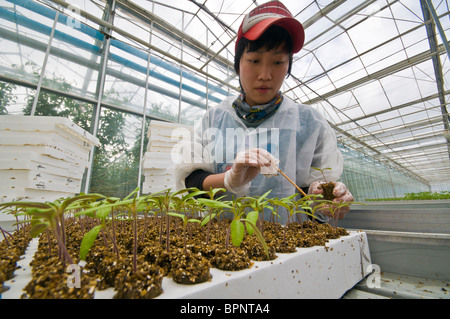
(274, 37)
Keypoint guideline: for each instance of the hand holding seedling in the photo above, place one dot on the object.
(341, 196)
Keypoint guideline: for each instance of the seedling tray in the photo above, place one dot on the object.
(314, 272)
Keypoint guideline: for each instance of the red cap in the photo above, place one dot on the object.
(257, 21)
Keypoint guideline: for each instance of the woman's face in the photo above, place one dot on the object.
(262, 73)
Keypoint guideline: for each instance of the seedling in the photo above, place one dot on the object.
(322, 170)
(237, 228)
(186, 220)
(259, 204)
(51, 215)
(4, 233)
(212, 204)
(327, 187)
(102, 212)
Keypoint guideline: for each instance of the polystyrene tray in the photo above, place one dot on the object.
(24, 179)
(26, 175)
(48, 123)
(163, 136)
(158, 172)
(316, 272)
(38, 195)
(32, 160)
(158, 161)
(45, 139)
(150, 186)
(44, 150)
(159, 180)
(19, 165)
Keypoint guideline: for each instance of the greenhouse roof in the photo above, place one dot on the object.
(376, 69)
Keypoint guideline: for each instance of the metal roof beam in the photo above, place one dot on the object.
(432, 40)
(398, 107)
(400, 66)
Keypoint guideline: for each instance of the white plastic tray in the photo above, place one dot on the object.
(149, 187)
(158, 161)
(158, 172)
(25, 178)
(43, 139)
(62, 125)
(42, 158)
(315, 272)
(20, 165)
(44, 150)
(40, 162)
(39, 195)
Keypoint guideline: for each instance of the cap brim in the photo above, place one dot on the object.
(293, 26)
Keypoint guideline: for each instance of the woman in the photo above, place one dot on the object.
(246, 135)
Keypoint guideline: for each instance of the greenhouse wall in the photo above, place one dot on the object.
(368, 178)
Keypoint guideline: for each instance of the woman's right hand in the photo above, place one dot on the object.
(246, 167)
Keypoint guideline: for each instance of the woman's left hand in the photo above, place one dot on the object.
(341, 194)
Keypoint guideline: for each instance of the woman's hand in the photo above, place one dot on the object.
(341, 194)
(246, 166)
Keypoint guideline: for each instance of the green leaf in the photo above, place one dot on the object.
(177, 215)
(26, 204)
(93, 209)
(88, 240)
(133, 193)
(207, 219)
(237, 232)
(103, 212)
(252, 217)
(88, 197)
(42, 213)
(263, 196)
(212, 203)
(38, 228)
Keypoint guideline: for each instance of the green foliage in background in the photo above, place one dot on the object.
(418, 196)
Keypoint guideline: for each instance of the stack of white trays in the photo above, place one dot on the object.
(42, 158)
(160, 158)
